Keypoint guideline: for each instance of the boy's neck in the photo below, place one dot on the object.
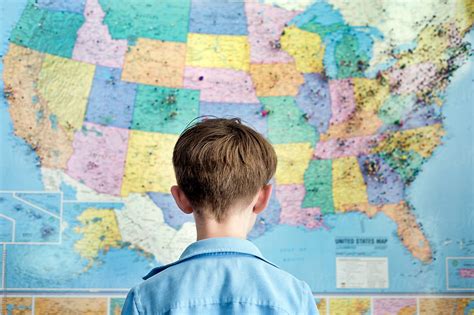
(234, 226)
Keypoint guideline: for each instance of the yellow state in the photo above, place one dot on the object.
(155, 62)
(349, 306)
(422, 140)
(293, 159)
(100, 231)
(148, 166)
(464, 14)
(65, 85)
(218, 51)
(348, 186)
(306, 47)
(370, 94)
(433, 42)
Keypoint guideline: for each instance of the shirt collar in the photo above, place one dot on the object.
(214, 245)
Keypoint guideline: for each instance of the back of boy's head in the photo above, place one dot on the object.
(220, 163)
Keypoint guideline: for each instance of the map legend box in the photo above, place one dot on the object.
(361, 272)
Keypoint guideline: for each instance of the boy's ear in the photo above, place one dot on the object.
(181, 199)
(263, 198)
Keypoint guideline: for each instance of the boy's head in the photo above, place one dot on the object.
(221, 163)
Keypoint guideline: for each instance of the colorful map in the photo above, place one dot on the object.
(369, 109)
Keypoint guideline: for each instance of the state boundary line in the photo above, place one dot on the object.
(13, 221)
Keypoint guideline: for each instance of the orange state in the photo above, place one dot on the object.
(155, 62)
(32, 119)
(278, 79)
(359, 125)
(408, 229)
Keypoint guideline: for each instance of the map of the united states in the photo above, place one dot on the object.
(101, 90)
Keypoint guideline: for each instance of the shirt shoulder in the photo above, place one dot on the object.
(220, 276)
(229, 282)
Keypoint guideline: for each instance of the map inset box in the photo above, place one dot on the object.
(460, 273)
(30, 217)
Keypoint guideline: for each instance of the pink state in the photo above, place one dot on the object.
(99, 157)
(220, 85)
(413, 78)
(265, 25)
(342, 100)
(94, 43)
(337, 148)
(290, 198)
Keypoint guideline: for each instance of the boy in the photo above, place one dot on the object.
(223, 169)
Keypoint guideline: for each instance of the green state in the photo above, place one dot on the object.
(52, 32)
(349, 57)
(165, 19)
(407, 164)
(318, 184)
(323, 30)
(286, 122)
(395, 108)
(165, 110)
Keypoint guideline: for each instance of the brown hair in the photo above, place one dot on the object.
(219, 162)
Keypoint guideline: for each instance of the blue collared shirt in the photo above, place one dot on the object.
(220, 276)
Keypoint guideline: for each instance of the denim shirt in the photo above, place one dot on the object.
(220, 276)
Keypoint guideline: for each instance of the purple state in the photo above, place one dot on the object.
(384, 185)
(267, 219)
(313, 99)
(173, 216)
(218, 17)
(111, 100)
(76, 6)
(421, 116)
(251, 114)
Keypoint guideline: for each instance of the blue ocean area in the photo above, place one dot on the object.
(62, 267)
(32, 222)
(19, 163)
(49, 201)
(69, 193)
